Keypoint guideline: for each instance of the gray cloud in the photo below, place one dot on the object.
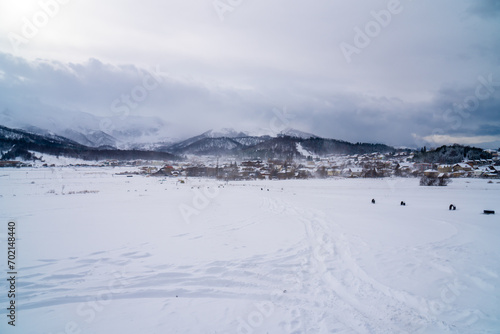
(263, 56)
(485, 8)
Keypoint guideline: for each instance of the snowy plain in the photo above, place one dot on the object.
(104, 253)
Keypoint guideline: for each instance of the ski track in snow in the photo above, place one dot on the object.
(335, 283)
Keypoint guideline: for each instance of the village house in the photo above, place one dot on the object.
(149, 170)
(422, 167)
(404, 168)
(334, 171)
(431, 173)
(10, 163)
(462, 167)
(492, 172)
(253, 163)
(458, 173)
(166, 170)
(355, 172)
(445, 168)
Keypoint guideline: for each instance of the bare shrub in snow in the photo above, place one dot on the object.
(434, 181)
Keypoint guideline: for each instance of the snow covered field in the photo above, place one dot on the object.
(105, 253)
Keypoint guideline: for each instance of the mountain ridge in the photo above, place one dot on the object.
(16, 143)
(24, 145)
(291, 144)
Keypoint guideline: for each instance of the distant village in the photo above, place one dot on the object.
(350, 166)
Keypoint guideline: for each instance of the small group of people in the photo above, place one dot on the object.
(403, 203)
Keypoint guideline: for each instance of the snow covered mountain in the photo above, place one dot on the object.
(85, 137)
(297, 134)
(224, 132)
(18, 144)
(148, 134)
(212, 146)
(131, 132)
(290, 144)
(211, 142)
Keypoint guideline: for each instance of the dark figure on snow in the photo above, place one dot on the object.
(452, 207)
(373, 200)
(403, 203)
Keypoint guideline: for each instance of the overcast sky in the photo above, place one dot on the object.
(397, 72)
